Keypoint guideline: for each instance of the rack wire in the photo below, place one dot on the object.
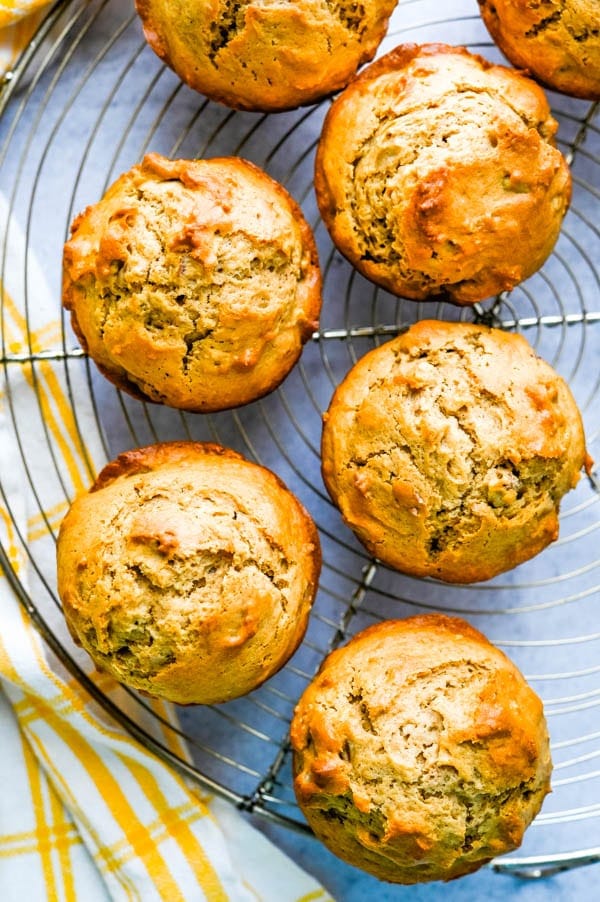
(84, 103)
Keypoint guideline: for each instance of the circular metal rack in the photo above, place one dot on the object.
(86, 101)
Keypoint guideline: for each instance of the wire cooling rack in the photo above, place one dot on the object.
(84, 103)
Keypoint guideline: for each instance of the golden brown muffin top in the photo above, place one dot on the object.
(193, 283)
(557, 41)
(436, 174)
(265, 54)
(449, 448)
(188, 572)
(420, 752)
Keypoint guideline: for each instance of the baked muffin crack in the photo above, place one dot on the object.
(350, 14)
(547, 22)
(229, 22)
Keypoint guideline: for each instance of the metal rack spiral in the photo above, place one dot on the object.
(84, 103)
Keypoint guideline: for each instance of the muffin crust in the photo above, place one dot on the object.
(193, 283)
(449, 448)
(557, 41)
(265, 54)
(420, 752)
(188, 572)
(437, 175)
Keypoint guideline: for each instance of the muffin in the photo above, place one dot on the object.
(449, 448)
(437, 176)
(265, 55)
(558, 41)
(420, 752)
(193, 283)
(188, 572)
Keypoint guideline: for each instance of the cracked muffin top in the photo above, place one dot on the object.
(188, 572)
(265, 54)
(449, 448)
(557, 41)
(420, 752)
(437, 175)
(193, 283)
